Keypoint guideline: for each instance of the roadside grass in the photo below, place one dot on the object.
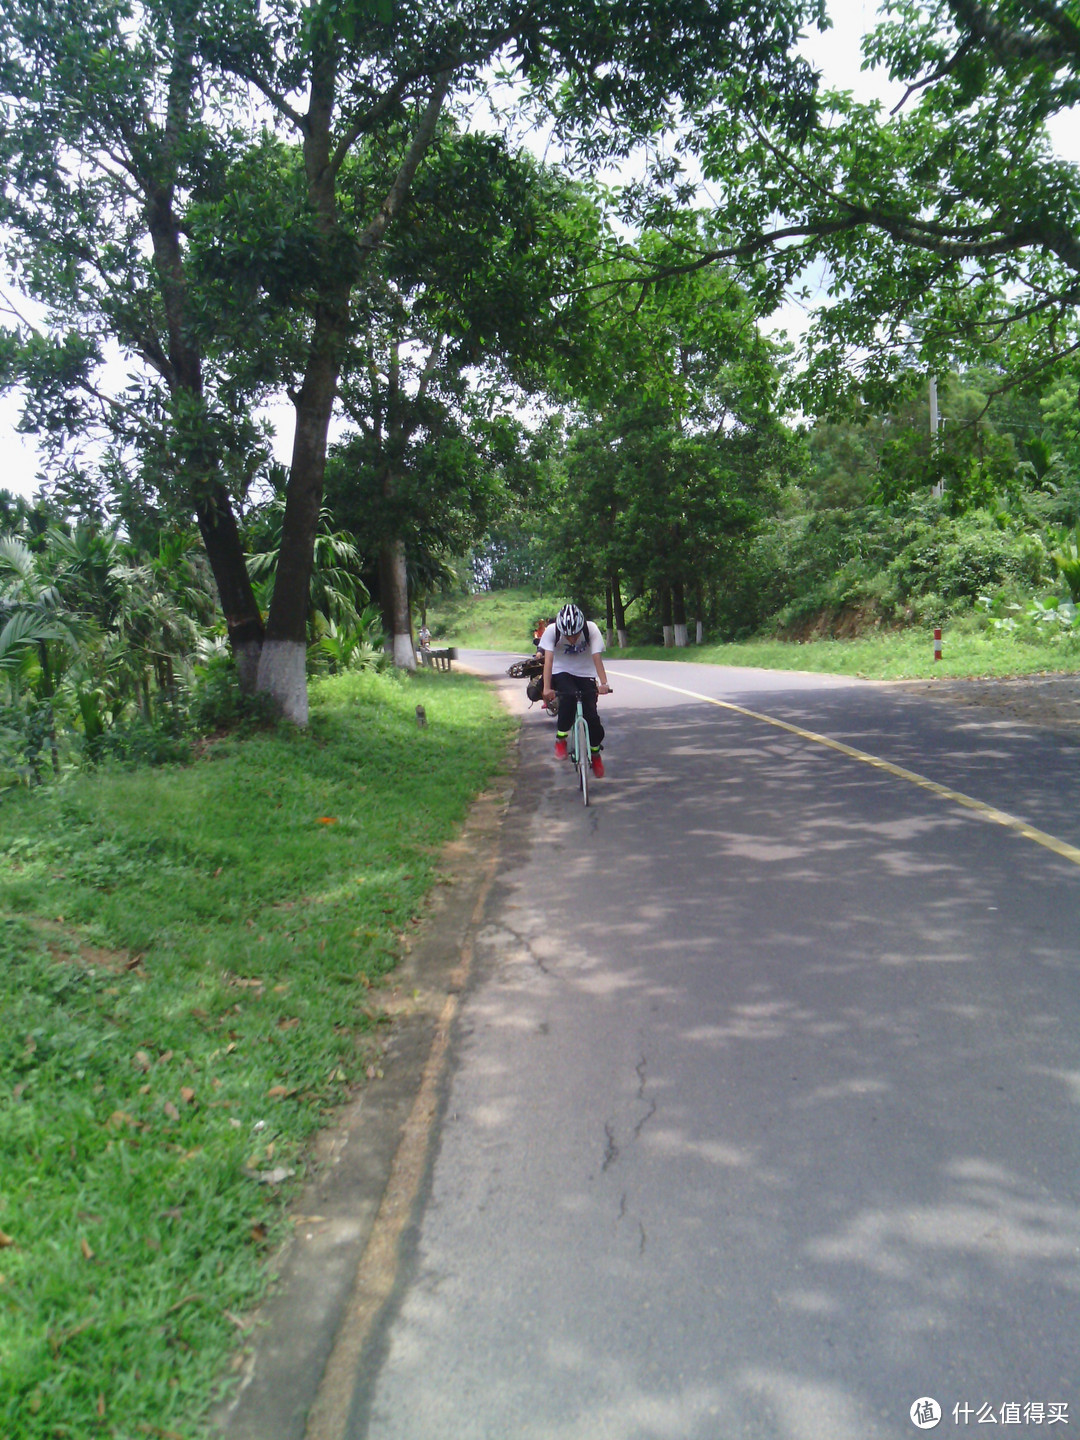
(189, 968)
(967, 652)
(503, 619)
(494, 620)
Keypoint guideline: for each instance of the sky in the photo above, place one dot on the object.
(836, 53)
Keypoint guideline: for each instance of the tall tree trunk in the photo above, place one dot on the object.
(393, 567)
(282, 667)
(283, 663)
(678, 614)
(181, 369)
(666, 615)
(221, 539)
(609, 605)
(619, 612)
(394, 600)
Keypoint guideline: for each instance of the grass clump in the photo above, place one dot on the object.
(186, 963)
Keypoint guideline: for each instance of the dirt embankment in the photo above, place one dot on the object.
(1052, 701)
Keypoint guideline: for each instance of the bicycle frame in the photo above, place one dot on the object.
(579, 751)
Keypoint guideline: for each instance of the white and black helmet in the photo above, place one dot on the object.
(570, 621)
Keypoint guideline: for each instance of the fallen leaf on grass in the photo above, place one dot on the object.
(5, 1240)
(235, 1320)
(88, 1254)
(280, 1092)
(60, 1338)
(119, 1118)
(327, 819)
(157, 1431)
(258, 1233)
(171, 1111)
(270, 1177)
(187, 1094)
(141, 1060)
(101, 1405)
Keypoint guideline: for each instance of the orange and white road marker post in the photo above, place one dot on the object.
(937, 643)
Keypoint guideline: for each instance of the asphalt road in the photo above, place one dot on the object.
(763, 1117)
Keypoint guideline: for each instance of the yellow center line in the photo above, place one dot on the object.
(987, 812)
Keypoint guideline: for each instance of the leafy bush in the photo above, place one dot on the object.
(217, 703)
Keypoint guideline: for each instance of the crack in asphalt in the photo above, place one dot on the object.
(496, 937)
(611, 1150)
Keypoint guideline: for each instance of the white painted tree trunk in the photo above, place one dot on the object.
(609, 638)
(399, 643)
(700, 632)
(283, 676)
(669, 636)
(403, 652)
(622, 639)
(682, 639)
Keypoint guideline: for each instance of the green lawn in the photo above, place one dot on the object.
(187, 963)
(502, 620)
(903, 655)
(496, 620)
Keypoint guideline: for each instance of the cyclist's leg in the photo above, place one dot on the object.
(587, 691)
(566, 692)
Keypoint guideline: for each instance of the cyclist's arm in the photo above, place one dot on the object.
(549, 656)
(601, 673)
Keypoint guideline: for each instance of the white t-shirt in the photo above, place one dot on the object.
(573, 659)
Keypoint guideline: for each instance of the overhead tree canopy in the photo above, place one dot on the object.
(121, 122)
(949, 227)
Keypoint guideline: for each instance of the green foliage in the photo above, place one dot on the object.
(1066, 560)
(203, 1004)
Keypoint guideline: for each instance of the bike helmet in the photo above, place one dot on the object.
(570, 621)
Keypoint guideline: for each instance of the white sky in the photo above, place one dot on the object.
(836, 53)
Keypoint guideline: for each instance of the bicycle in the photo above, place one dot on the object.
(578, 751)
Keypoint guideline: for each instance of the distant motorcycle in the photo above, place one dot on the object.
(533, 671)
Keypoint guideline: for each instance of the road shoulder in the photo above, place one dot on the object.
(367, 1166)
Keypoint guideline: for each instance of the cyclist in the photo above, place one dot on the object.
(572, 668)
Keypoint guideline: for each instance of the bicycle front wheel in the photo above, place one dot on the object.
(581, 749)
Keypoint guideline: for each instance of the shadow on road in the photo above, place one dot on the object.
(765, 1119)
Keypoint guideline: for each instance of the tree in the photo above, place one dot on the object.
(949, 226)
(122, 122)
(672, 458)
(453, 328)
